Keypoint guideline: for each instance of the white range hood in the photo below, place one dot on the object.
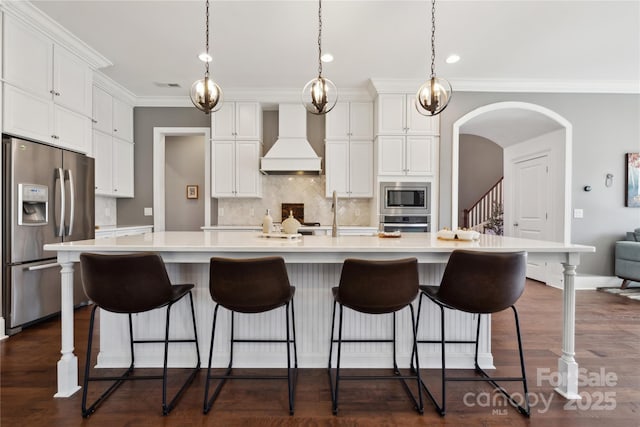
(291, 153)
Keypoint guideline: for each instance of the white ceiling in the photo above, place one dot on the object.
(273, 44)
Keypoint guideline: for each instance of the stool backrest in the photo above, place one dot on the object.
(483, 282)
(378, 286)
(249, 285)
(130, 283)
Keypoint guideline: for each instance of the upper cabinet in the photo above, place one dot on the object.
(47, 89)
(111, 115)
(349, 150)
(397, 114)
(237, 120)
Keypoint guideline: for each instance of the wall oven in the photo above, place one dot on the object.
(405, 206)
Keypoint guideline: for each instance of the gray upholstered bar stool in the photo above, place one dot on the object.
(130, 284)
(375, 287)
(479, 283)
(255, 285)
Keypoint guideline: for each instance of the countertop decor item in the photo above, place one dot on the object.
(434, 95)
(319, 95)
(205, 94)
(290, 225)
(267, 222)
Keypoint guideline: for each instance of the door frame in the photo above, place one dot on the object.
(568, 149)
(159, 136)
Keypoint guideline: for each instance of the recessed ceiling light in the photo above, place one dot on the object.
(205, 57)
(452, 59)
(327, 57)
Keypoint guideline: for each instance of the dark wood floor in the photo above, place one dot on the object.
(607, 338)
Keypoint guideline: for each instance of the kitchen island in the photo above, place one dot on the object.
(314, 264)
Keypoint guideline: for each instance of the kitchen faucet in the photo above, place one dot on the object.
(334, 208)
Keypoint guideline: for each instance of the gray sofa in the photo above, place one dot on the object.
(628, 258)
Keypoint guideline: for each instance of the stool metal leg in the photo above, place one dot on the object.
(335, 394)
(209, 402)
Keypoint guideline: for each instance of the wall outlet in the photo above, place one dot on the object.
(107, 212)
(220, 212)
(578, 213)
(252, 212)
(148, 211)
(357, 212)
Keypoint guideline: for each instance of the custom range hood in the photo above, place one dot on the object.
(291, 153)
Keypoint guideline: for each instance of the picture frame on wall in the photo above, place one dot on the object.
(632, 195)
(192, 191)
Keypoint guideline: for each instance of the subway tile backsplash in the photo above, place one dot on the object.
(277, 189)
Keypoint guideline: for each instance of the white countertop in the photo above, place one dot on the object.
(301, 228)
(120, 227)
(229, 241)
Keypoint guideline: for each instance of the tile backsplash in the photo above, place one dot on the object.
(106, 211)
(277, 189)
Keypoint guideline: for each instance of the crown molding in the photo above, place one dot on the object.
(35, 18)
(501, 85)
(114, 88)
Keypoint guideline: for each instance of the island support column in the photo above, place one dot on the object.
(68, 363)
(567, 365)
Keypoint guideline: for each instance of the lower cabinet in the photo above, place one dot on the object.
(113, 165)
(236, 169)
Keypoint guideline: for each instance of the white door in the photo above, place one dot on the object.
(531, 204)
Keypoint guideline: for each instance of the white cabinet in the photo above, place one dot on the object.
(407, 155)
(397, 114)
(237, 120)
(47, 89)
(113, 165)
(349, 150)
(236, 169)
(111, 115)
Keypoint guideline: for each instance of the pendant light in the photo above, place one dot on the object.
(320, 95)
(205, 94)
(435, 94)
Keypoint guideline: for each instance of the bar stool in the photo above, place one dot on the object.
(254, 285)
(375, 287)
(129, 284)
(479, 283)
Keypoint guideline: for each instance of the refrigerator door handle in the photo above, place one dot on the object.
(72, 195)
(43, 266)
(59, 176)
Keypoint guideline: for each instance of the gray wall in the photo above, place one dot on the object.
(480, 168)
(605, 127)
(131, 211)
(184, 166)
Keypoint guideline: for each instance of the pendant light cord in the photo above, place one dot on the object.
(433, 38)
(319, 38)
(206, 42)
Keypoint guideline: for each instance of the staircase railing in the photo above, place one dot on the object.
(479, 213)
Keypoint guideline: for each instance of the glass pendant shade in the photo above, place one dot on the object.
(433, 96)
(207, 96)
(320, 95)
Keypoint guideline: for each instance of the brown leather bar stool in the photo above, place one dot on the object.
(129, 284)
(479, 283)
(375, 287)
(252, 285)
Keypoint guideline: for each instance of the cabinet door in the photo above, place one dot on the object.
(391, 114)
(223, 172)
(27, 115)
(361, 169)
(28, 58)
(72, 81)
(248, 120)
(247, 173)
(103, 154)
(361, 120)
(122, 120)
(122, 168)
(337, 167)
(420, 159)
(223, 122)
(391, 155)
(71, 130)
(418, 124)
(102, 110)
(337, 122)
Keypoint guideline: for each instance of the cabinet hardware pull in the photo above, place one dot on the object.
(57, 94)
(52, 91)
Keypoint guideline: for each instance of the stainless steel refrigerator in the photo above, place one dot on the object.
(47, 197)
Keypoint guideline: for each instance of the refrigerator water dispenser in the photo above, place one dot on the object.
(33, 204)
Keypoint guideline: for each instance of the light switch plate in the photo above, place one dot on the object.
(578, 213)
(148, 211)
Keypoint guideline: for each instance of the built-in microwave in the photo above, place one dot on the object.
(405, 198)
